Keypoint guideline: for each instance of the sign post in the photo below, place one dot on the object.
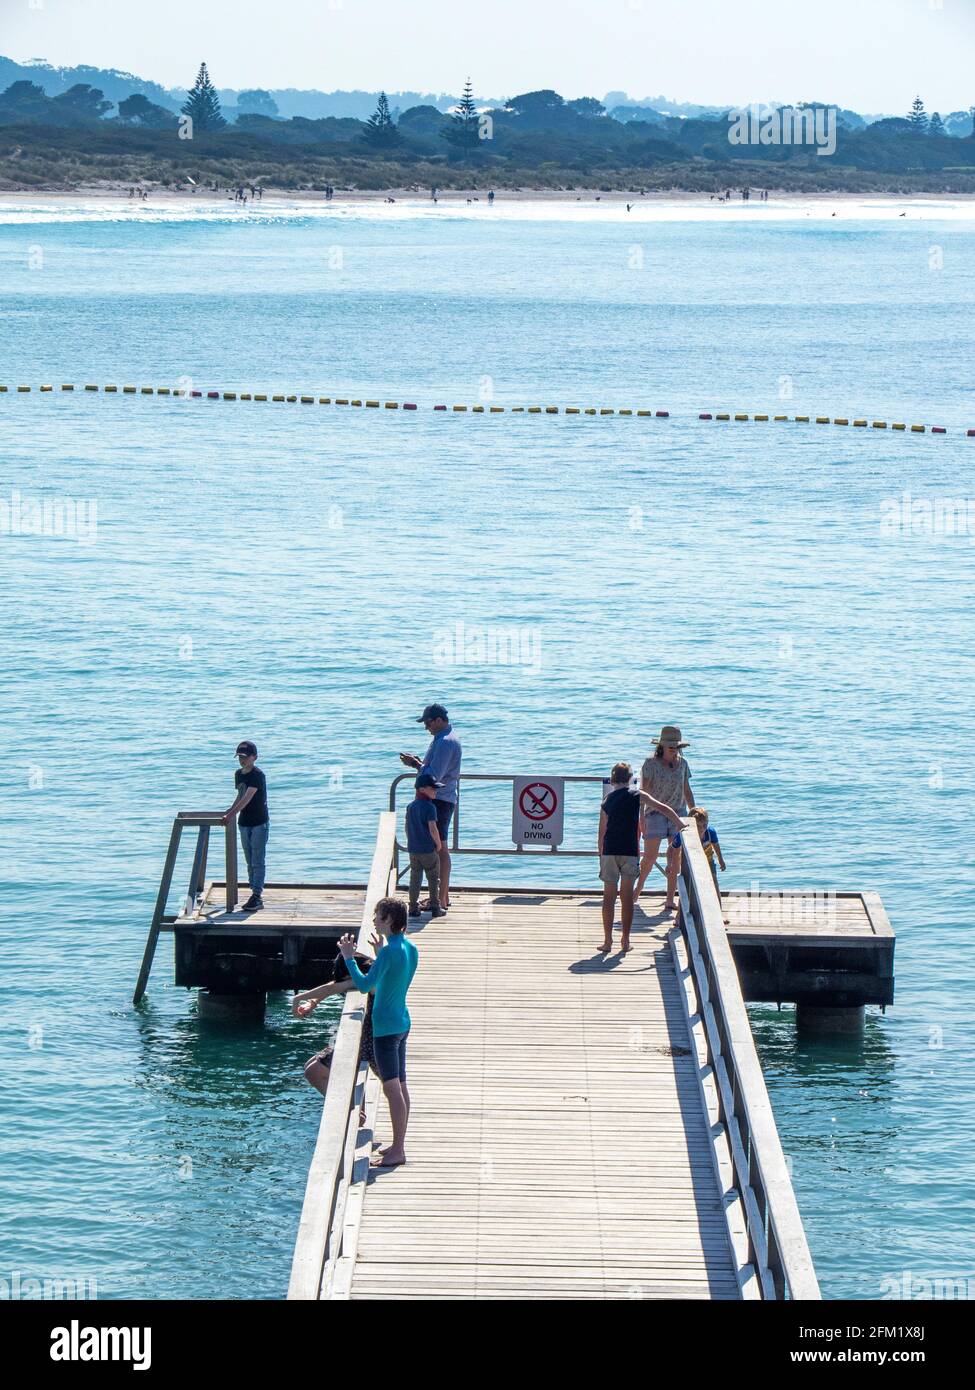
(538, 811)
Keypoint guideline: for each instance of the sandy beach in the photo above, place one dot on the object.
(522, 204)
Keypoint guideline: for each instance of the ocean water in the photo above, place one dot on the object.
(311, 576)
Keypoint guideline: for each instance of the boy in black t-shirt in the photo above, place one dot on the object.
(252, 818)
(619, 849)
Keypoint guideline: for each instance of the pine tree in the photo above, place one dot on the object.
(936, 125)
(203, 105)
(918, 116)
(380, 128)
(464, 129)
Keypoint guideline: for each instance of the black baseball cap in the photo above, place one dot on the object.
(248, 749)
(433, 712)
(426, 779)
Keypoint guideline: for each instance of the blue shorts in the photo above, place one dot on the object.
(445, 814)
(389, 1054)
(656, 826)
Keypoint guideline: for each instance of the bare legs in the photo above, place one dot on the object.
(651, 848)
(609, 911)
(316, 1073)
(398, 1100)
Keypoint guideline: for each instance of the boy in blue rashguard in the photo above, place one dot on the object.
(709, 839)
(388, 981)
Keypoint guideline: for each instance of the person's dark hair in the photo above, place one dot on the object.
(621, 773)
(340, 970)
(393, 912)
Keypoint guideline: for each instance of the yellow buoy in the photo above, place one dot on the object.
(146, 391)
(606, 411)
(572, 410)
(802, 419)
(460, 407)
(917, 429)
(644, 412)
(841, 421)
(761, 417)
(722, 417)
(860, 424)
(625, 412)
(245, 395)
(67, 388)
(373, 404)
(880, 424)
(23, 388)
(128, 390)
(741, 417)
(781, 417)
(260, 398)
(497, 409)
(87, 388)
(551, 410)
(477, 409)
(394, 405)
(47, 388)
(898, 427)
(162, 390)
(822, 420)
(277, 398)
(308, 400)
(534, 410)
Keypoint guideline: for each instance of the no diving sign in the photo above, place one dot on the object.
(538, 810)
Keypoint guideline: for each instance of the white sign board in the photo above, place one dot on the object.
(538, 811)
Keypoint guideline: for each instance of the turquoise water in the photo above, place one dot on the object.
(296, 574)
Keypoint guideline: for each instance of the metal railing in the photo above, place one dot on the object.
(777, 1247)
(456, 847)
(204, 821)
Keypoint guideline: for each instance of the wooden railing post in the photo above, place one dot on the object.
(231, 863)
(164, 886)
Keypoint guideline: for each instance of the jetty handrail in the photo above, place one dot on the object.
(320, 1226)
(777, 1244)
(204, 821)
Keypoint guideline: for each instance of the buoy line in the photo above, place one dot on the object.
(488, 409)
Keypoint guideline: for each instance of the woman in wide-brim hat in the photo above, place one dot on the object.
(666, 776)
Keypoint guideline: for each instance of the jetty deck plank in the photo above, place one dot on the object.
(558, 1146)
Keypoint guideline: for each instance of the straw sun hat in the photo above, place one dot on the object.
(670, 737)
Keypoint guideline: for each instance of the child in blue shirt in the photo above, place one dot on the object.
(709, 839)
(424, 844)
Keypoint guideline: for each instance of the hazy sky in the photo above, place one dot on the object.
(872, 55)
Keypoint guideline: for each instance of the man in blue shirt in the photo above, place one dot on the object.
(442, 762)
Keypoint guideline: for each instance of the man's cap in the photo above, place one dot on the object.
(248, 749)
(426, 779)
(432, 712)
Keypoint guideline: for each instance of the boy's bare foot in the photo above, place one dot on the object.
(362, 1116)
(606, 946)
(625, 946)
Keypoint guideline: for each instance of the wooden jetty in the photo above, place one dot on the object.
(582, 1126)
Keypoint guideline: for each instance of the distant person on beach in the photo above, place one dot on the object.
(442, 761)
(491, 197)
(389, 980)
(667, 777)
(423, 844)
(619, 849)
(250, 808)
(318, 1068)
